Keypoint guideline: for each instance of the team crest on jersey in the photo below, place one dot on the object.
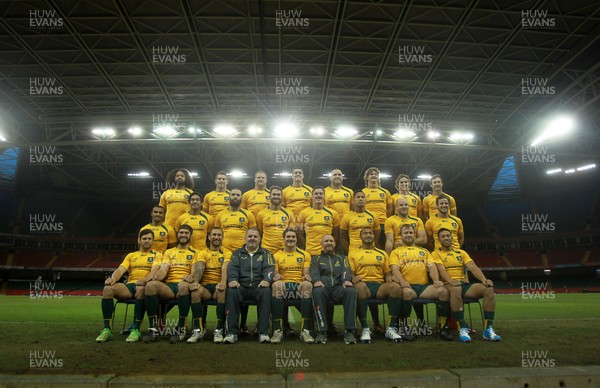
(226, 198)
(189, 257)
(242, 219)
(326, 218)
(162, 234)
(306, 194)
(220, 259)
(414, 200)
(259, 259)
(201, 222)
(459, 258)
(337, 264)
(346, 195)
(381, 195)
(369, 220)
(284, 218)
(299, 259)
(186, 197)
(150, 259)
(379, 258)
(414, 225)
(268, 198)
(453, 224)
(421, 253)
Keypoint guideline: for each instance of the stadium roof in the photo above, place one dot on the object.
(497, 71)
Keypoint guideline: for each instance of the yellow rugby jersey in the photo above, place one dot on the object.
(214, 263)
(163, 236)
(215, 202)
(395, 223)
(317, 223)
(139, 264)
(234, 225)
(370, 264)
(296, 199)
(453, 224)
(339, 200)
(377, 201)
(429, 204)
(454, 261)
(176, 202)
(201, 223)
(180, 263)
(290, 264)
(354, 222)
(272, 223)
(413, 262)
(256, 200)
(414, 203)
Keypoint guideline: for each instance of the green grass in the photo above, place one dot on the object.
(566, 327)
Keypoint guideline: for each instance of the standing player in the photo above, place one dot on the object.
(378, 201)
(444, 220)
(297, 196)
(200, 221)
(142, 265)
(176, 200)
(214, 278)
(292, 281)
(337, 196)
(414, 202)
(218, 199)
(271, 222)
(257, 199)
(371, 270)
(234, 221)
(451, 264)
(176, 268)
(410, 265)
(249, 276)
(354, 222)
(393, 225)
(317, 221)
(164, 235)
(430, 202)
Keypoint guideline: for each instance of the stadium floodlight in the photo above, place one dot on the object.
(104, 132)
(424, 177)
(165, 131)
(2, 138)
(142, 174)
(433, 135)
(404, 134)
(254, 130)
(570, 171)
(237, 174)
(283, 174)
(135, 131)
(378, 132)
(384, 175)
(461, 137)
(586, 167)
(346, 132)
(193, 173)
(554, 171)
(557, 128)
(317, 131)
(224, 130)
(194, 130)
(286, 130)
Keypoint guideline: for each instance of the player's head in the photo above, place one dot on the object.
(235, 197)
(327, 243)
(372, 176)
(443, 203)
(367, 236)
(275, 193)
(402, 183)
(146, 238)
(180, 177)
(336, 177)
(318, 195)
(360, 199)
(436, 182)
(297, 175)
(402, 207)
(290, 238)
(445, 237)
(158, 214)
(260, 180)
(252, 239)
(407, 233)
(215, 237)
(221, 180)
(184, 234)
(195, 201)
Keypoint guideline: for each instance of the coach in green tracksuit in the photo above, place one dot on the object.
(249, 277)
(332, 282)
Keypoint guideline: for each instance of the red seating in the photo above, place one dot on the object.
(525, 258)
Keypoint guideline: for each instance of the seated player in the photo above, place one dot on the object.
(291, 281)
(176, 269)
(372, 278)
(332, 282)
(451, 265)
(142, 265)
(214, 278)
(249, 277)
(410, 265)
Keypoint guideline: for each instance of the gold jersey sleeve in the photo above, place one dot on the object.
(370, 264)
(176, 202)
(454, 261)
(272, 224)
(414, 203)
(139, 264)
(214, 261)
(317, 223)
(413, 262)
(180, 263)
(290, 265)
(339, 200)
(354, 222)
(234, 225)
(296, 199)
(201, 223)
(256, 200)
(215, 202)
(164, 235)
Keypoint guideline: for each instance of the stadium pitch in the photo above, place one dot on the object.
(56, 336)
